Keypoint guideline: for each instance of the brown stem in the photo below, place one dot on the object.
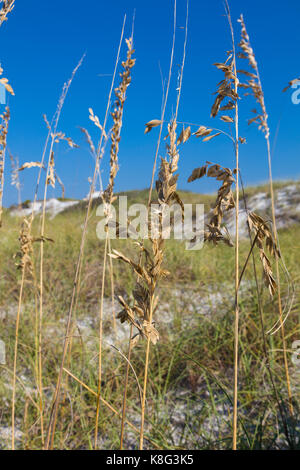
(54, 410)
(100, 343)
(125, 388)
(146, 378)
(15, 362)
(286, 366)
(236, 322)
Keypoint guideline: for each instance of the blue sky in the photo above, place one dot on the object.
(42, 42)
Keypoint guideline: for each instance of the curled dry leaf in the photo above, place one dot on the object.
(140, 270)
(197, 173)
(226, 88)
(126, 314)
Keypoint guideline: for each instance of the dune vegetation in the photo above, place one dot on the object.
(144, 344)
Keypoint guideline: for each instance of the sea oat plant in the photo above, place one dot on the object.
(227, 100)
(149, 127)
(149, 267)
(6, 7)
(3, 137)
(253, 87)
(108, 195)
(53, 137)
(99, 154)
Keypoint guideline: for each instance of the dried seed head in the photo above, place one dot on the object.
(3, 142)
(117, 115)
(184, 136)
(291, 83)
(263, 234)
(26, 249)
(31, 165)
(150, 271)
(253, 84)
(61, 136)
(6, 7)
(226, 88)
(224, 201)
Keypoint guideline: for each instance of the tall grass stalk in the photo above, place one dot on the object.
(20, 301)
(42, 234)
(108, 194)
(5, 9)
(173, 164)
(255, 85)
(100, 344)
(236, 323)
(110, 407)
(262, 327)
(3, 143)
(124, 403)
(165, 100)
(54, 410)
(13, 405)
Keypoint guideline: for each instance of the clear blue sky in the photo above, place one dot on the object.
(43, 40)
